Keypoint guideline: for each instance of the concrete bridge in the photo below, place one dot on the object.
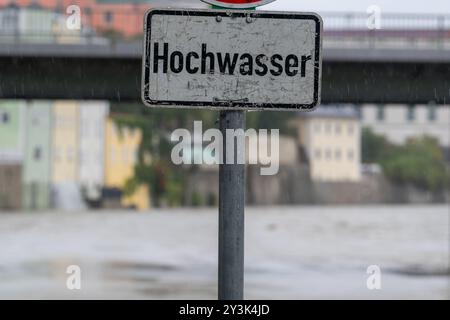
(391, 65)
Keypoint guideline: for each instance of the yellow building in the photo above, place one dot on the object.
(330, 140)
(65, 141)
(121, 150)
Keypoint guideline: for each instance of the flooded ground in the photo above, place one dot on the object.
(291, 253)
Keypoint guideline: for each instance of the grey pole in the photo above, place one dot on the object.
(231, 213)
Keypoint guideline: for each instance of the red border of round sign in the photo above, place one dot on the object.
(238, 5)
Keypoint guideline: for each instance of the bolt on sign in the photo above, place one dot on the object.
(226, 59)
(238, 4)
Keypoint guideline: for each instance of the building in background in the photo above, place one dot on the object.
(93, 116)
(11, 153)
(259, 152)
(330, 142)
(121, 150)
(36, 175)
(112, 17)
(10, 185)
(398, 123)
(65, 141)
(65, 154)
(34, 23)
(11, 130)
(66, 191)
(116, 18)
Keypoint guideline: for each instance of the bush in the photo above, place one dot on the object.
(419, 162)
(196, 200)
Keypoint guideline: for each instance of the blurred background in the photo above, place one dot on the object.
(86, 176)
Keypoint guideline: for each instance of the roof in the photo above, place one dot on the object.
(332, 111)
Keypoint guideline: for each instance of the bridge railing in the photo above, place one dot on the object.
(388, 21)
(387, 30)
(40, 25)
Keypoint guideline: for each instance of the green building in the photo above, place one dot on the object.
(37, 156)
(11, 133)
(11, 153)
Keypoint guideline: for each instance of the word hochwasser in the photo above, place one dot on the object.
(246, 64)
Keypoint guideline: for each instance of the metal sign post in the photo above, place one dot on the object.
(232, 185)
(231, 213)
(232, 61)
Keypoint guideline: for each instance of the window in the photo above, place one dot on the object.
(411, 113)
(350, 155)
(380, 112)
(338, 129)
(10, 18)
(328, 127)
(125, 155)
(60, 121)
(85, 130)
(35, 120)
(57, 155)
(112, 155)
(317, 127)
(318, 154)
(337, 154)
(328, 154)
(351, 129)
(4, 117)
(359, 111)
(84, 157)
(70, 154)
(37, 153)
(108, 17)
(432, 112)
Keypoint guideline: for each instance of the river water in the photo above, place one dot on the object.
(291, 253)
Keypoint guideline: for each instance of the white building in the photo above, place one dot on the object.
(330, 140)
(93, 116)
(398, 123)
(41, 25)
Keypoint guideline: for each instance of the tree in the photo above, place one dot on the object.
(374, 147)
(164, 179)
(419, 162)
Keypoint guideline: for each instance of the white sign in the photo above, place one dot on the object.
(232, 59)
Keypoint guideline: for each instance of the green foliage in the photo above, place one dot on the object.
(212, 200)
(271, 120)
(196, 200)
(112, 34)
(374, 147)
(419, 162)
(165, 180)
(175, 187)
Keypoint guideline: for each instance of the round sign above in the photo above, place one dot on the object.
(237, 4)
